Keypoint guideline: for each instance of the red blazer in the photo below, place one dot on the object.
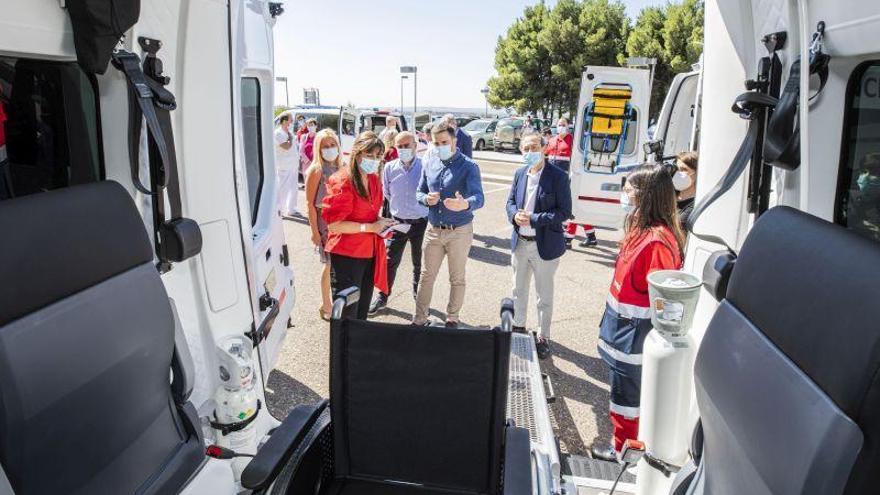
(557, 146)
(342, 203)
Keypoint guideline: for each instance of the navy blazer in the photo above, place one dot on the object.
(464, 142)
(552, 207)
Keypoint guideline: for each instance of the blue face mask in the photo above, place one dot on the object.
(405, 154)
(369, 165)
(444, 151)
(532, 158)
(625, 203)
(330, 154)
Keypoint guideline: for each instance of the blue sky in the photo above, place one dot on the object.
(352, 49)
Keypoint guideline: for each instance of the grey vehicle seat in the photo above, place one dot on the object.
(787, 373)
(413, 410)
(87, 339)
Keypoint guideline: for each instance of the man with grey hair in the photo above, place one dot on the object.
(463, 139)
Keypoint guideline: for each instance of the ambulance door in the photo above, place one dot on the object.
(347, 131)
(611, 127)
(676, 126)
(269, 274)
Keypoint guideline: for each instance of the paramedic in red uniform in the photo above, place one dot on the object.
(558, 153)
(652, 241)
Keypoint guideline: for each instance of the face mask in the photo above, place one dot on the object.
(562, 130)
(531, 158)
(312, 128)
(626, 203)
(369, 165)
(444, 151)
(330, 154)
(405, 154)
(681, 181)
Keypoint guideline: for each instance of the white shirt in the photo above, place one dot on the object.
(285, 159)
(531, 192)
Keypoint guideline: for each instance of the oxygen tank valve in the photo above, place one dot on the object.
(237, 400)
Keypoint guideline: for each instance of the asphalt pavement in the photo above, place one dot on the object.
(578, 375)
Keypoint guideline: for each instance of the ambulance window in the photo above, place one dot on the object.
(329, 121)
(348, 124)
(858, 190)
(253, 150)
(632, 133)
(49, 127)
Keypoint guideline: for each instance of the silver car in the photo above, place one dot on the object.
(482, 133)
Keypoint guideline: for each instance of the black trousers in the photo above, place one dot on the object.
(397, 244)
(348, 272)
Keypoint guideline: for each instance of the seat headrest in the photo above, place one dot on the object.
(53, 246)
(812, 288)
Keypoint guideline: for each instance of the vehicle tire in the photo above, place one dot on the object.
(480, 145)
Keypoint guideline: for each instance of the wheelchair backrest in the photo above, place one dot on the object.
(86, 347)
(786, 375)
(421, 405)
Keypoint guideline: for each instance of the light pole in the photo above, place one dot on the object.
(402, 77)
(485, 92)
(286, 92)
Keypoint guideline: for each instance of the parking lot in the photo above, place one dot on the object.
(577, 373)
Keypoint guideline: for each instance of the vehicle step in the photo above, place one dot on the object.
(587, 467)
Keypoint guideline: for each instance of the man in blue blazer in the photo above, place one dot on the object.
(539, 201)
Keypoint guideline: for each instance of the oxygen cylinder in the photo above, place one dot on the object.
(237, 400)
(667, 377)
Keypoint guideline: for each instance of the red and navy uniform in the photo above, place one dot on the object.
(627, 321)
(558, 151)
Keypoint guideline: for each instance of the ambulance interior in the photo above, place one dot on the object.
(607, 123)
(120, 358)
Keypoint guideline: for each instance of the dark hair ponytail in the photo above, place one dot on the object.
(655, 203)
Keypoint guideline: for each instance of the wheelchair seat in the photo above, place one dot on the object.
(413, 410)
(87, 342)
(786, 375)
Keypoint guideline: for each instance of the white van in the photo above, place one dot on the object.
(610, 131)
(342, 120)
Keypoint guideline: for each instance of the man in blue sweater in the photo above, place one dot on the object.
(452, 190)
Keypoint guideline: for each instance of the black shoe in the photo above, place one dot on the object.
(517, 329)
(606, 453)
(543, 347)
(378, 304)
(451, 324)
(568, 242)
(590, 241)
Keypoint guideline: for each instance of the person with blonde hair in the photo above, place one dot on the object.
(388, 138)
(324, 164)
(351, 208)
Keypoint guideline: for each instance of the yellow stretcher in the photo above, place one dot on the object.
(607, 121)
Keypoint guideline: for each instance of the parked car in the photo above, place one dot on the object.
(509, 131)
(482, 132)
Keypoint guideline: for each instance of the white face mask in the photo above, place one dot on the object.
(562, 129)
(626, 203)
(405, 154)
(330, 154)
(313, 128)
(444, 151)
(369, 165)
(681, 181)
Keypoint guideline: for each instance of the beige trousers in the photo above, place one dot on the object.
(439, 243)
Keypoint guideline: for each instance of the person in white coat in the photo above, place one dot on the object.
(286, 168)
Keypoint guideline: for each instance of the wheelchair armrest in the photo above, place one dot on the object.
(270, 459)
(517, 462)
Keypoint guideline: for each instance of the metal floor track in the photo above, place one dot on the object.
(587, 467)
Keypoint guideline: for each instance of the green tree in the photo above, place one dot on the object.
(672, 34)
(522, 64)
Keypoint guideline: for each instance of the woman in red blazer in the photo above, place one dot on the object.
(351, 209)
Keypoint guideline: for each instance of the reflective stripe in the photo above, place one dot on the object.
(622, 357)
(627, 412)
(628, 310)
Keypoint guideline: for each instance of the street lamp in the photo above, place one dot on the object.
(286, 93)
(485, 92)
(402, 77)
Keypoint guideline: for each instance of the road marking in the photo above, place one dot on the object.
(506, 188)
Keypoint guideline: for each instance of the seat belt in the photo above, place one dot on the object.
(753, 106)
(176, 238)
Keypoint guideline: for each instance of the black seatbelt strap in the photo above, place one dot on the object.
(781, 140)
(176, 238)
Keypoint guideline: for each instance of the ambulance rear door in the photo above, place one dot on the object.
(610, 129)
(268, 264)
(677, 129)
